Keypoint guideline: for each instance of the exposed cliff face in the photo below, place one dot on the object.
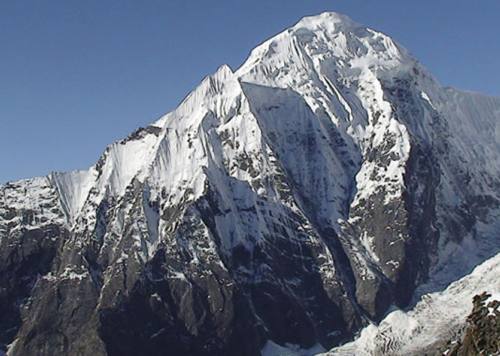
(290, 201)
(482, 335)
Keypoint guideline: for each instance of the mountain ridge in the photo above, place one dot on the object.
(291, 201)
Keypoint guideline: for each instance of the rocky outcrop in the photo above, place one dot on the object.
(482, 335)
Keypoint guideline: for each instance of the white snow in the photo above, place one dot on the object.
(273, 349)
(73, 190)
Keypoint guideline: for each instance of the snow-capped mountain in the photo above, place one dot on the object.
(287, 204)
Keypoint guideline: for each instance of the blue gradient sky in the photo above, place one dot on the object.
(76, 75)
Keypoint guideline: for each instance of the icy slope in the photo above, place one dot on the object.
(437, 317)
(291, 201)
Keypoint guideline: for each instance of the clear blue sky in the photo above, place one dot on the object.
(76, 75)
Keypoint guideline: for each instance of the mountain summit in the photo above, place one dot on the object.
(289, 203)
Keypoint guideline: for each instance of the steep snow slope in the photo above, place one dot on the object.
(292, 201)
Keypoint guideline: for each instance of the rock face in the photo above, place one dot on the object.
(482, 335)
(291, 201)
